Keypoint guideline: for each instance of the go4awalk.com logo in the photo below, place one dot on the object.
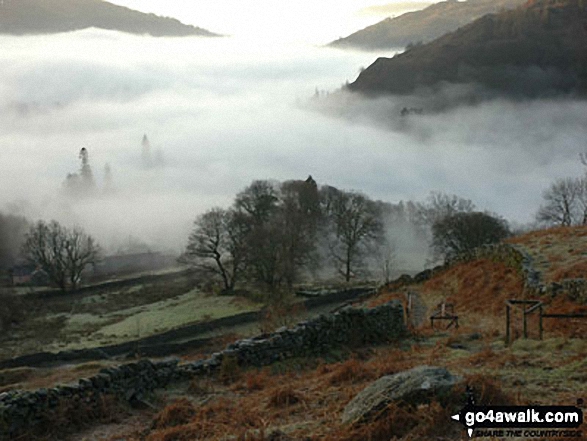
(521, 421)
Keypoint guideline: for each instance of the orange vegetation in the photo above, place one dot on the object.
(309, 404)
(576, 270)
(559, 253)
(481, 286)
(546, 235)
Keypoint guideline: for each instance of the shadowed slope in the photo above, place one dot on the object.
(422, 26)
(20, 17)
(536, 50)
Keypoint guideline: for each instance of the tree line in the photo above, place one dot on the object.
(275, 234)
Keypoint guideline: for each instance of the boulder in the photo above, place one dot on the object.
(416, 386)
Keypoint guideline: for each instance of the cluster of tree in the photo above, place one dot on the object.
(565, 203)
(82, 184)
(276, 232)
(62, 253)
(462, 232)
(455, 227)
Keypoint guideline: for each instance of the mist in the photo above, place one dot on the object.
(224, 112)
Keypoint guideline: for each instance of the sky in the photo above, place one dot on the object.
(226, 111)
(317, 22)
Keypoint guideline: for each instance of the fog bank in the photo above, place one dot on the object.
(224, 112)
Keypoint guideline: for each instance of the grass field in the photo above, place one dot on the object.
(558, 253)
(104, 317)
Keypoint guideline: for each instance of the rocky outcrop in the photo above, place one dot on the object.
(416, 386)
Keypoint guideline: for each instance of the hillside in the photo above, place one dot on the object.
(539, 49)
(19, 17)
(303, 398)
(422, 26)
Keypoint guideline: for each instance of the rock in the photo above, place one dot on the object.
(415, 386)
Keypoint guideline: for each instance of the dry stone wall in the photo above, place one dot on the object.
(534, 285)
(165, 343)
(21, 411)
(515, 257)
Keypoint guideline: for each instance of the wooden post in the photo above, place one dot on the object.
(409, 302)
(507, 324)
(525, 325)
(540, 329)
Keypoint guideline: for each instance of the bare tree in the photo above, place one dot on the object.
(560, 205)
(62, 253)
(581, 184)
(440, 205)
(217, 245)
(355, 223)
(81, 252)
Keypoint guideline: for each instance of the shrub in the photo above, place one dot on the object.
(284, 397)
(176, 414)
(255, 380)
(351, 371)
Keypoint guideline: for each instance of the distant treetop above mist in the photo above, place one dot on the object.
(19, 17)
(424, 25)
(539, 49)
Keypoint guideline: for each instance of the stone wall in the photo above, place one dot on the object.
(22, 412)
(510, 255)
(165, 343)
(348, 327)
(515, 257)
(534, 285)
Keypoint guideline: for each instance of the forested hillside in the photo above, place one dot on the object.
(422, 26)
(539, 49)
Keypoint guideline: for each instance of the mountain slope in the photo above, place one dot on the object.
(422, 26)
(20, 17)
(536, 50)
